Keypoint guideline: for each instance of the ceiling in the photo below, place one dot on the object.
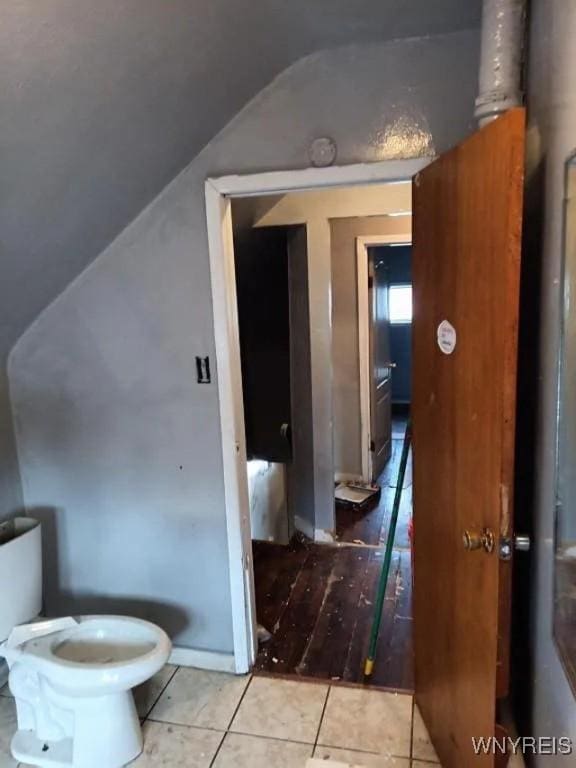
(102, 103)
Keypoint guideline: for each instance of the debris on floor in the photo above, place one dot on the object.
(356, 495)
(263, 635)
(319, 600)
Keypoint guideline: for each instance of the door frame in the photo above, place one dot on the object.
(218, 194)
(362, 245)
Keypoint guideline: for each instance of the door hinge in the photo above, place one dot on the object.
(372, 445)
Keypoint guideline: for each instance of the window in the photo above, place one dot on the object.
(400, 304)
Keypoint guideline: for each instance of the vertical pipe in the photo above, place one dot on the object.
(503, 30)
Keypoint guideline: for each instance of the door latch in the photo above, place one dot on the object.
(520, 543)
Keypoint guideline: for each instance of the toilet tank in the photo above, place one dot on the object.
(20, 573)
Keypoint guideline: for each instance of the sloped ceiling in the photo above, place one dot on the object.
(102, 102)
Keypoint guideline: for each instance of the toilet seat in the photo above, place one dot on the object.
(96, 655)
(72, 680)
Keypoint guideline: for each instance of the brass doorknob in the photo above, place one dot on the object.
(474, 540)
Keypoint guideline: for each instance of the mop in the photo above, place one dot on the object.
(369, 663)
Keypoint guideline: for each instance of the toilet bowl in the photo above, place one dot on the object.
(72, 680)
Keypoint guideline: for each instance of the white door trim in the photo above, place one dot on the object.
(362, 245)
(229, 375)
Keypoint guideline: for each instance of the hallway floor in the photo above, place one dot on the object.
(371, 528)
(317, 600)
(198, 719)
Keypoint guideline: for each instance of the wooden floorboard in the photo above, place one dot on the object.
(317, 600)
(322, 630)
(370, 526)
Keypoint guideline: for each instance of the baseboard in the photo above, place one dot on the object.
(211, 660)
(322, 536)
(304, 527)
(315, 534)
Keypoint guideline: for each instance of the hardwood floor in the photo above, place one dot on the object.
(317, 600)
(371, 527)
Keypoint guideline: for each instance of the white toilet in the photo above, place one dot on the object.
(72, 678)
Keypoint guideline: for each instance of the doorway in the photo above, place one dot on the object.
(311, 592)
(327, 555)
(467, 254)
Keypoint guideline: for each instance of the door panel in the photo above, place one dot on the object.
(381, 382)
(261, 261)
(466, 262)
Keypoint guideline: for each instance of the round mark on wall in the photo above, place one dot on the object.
(322, 152)
(446, 337)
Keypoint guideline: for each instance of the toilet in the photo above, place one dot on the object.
(71, 677)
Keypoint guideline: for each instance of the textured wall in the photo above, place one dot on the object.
(300, 471)
(332, 307)
(103, 103)
(117, 442)
(11, 501)
(551, 138)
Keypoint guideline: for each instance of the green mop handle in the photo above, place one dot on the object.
(369, 664)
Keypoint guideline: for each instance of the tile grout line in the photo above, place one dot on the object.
(362, 751)
(227, 731)
(157, 699)
(219, 747)
(259, 736)
(173, 724)
(233, 733)
(412, 731)
(321, 721)
(366, 751)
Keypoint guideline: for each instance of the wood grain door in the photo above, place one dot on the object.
(466, 264)
(381, 381)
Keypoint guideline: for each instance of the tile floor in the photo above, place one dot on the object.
(197, 719)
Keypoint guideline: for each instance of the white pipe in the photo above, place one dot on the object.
(503, 29)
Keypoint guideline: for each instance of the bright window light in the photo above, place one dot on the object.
(400, 304)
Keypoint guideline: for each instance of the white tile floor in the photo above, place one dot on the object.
(196, 719)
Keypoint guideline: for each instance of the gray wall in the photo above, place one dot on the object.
(331, 304)
(334, 218)
(300, 471)
(118, 445)
(103, 103)
(551, 138)
(11, 501)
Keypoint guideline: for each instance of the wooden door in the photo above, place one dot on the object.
(261, 262)
(466, 264)
(380, 365)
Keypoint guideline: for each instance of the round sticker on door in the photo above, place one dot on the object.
(446, 336)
